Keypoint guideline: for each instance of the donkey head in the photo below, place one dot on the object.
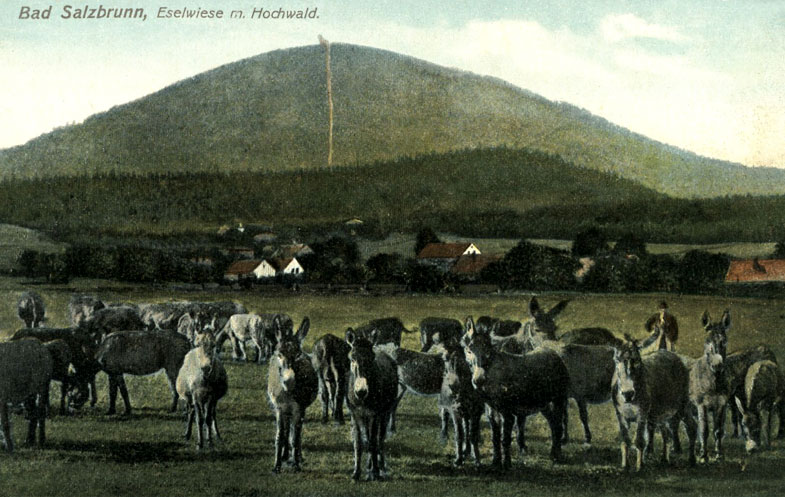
(542, 321)
(750, 426)
(629, 368)
(207, 342)
(479, 351)
(288, 351)
(455, 369)
(362, 360)
(715, 347)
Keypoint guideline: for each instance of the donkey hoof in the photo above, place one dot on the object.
(296, 468)
(276, 470)
(356, 475)
(457, 463)
(339, 422)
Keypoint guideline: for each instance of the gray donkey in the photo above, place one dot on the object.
(292, 385)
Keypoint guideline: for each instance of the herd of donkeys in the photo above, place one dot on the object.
(506, 370)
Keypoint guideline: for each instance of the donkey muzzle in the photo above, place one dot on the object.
(478, 377)
(361, 387)
(629, 395)
(287, 379)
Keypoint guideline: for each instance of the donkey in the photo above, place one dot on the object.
(78, 354)
(515, 386)
(256, 328)
(445, 331)
(652, 389)
(330, 359)
(420, 374)
(505, 327)
(31, 309)
(384, 330)
(25, 373)
(736, 366)
(201, 383)
(463, 403)
(708, 389)
(762, 390)
(292, 385)
(591, 370)
(371, 396)
(141, 353)
(113, 318)
(543, 322)
(82, 307)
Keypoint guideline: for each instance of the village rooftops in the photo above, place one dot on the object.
(447, 250)
(756, 271)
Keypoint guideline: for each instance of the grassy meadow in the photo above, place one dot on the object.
(91, 453)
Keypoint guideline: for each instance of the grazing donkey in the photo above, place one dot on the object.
(25, 372)
(201, 383)
(371, 396)
(445, 331)
(736, 366)
(292, 385)
(31, 309)
(591, 370)
(650, 390)
(78, 354)
(330, 359)
(256, 328)
(505, 327)
(708, 389)
(384, 330)
(141, 353)
(104, 321)
(461, 401)
(515, 386)
(762, 390)
(82, 307)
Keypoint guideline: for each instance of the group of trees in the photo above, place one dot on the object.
(625, 266)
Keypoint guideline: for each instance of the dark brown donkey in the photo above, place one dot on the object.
(292, 385)
(371, 396)
(463, 403)
(517, 386)
(330, 359)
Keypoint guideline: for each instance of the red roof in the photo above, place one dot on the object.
(280, 263)
(443, 250)
(473, 264)
(751, 271)
(243, 267)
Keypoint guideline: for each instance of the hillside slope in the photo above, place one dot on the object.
(269, 113)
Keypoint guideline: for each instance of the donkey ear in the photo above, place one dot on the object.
(350, 336)
(726, 319)
(616, 354)
(278, 329)
(534, 306)
(739, 404)
(302, 332)
(373, 335)
(496, 327)
(705, 318)
(558, 308)
(468, 327)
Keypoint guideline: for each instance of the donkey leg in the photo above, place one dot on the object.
(521, 438)
(496, 438)
(199, 410)
(214, 417)
(781, 419)
(719, 431)
(6, 424)
(692, 434)
(459, 437)
(32, 413)
(189, 417)
(124, 394)
(357, 445)
(280, 441)
(171, 377)
(703, 432)
(474, 438)
(583, 412)
(555, 415)
(382, 437)
(325, 394)
(297, 440)
(113, 387)
(42, 409)
(444, 418)
(340, 395)
(508, 421)
(373, 446)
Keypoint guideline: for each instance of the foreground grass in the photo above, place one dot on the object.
(91, 453)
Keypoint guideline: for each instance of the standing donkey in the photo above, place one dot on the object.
(515, 386)
(330, 359)
(292, 386)
(708, 390)
(371, 396)
(653, 389)
(762, 390)
(461, 401)
(31, 309)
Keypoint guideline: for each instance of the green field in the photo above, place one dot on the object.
(15, 239)
(94, 454)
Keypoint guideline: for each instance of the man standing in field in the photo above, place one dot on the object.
(667, 322)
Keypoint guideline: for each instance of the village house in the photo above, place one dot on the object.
(444, 255)
(238, 252)
(293, 250)
(264, 268)
(470, 266)
(756, 271)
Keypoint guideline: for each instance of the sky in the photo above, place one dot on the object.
(703, 75)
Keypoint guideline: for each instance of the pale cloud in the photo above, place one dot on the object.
(620, 27)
